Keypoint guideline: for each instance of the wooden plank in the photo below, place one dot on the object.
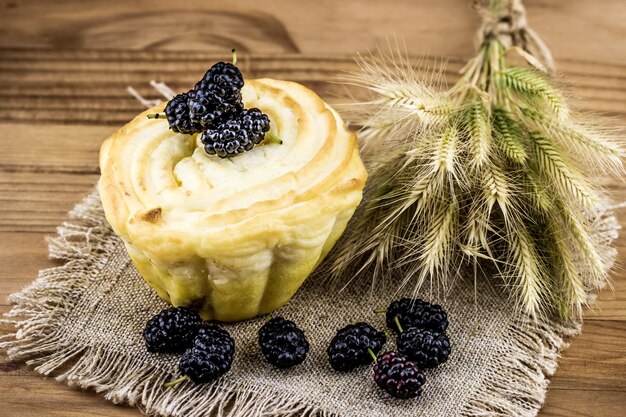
(38, 200)
(596, 361)
(445, 26)
(583, 403)
(115, 65)
(53, 148)
(90, 86)
(22, 255)
(28, 392)
(32, 395)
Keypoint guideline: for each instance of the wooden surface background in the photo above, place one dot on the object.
(65, 65)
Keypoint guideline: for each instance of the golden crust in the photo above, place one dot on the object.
(220, 234)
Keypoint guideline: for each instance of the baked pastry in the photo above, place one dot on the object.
(233, 238)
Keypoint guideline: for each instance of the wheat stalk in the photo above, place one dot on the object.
(534, 87)
(574, 290)
(494, 170)
(525, 271)
(478, 131)
(509, 136)
(562, 174)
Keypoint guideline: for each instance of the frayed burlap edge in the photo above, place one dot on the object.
(515, 385)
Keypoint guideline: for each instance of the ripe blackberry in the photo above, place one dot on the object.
(212, 335)
(283, 344)
(210, 357)
(236, 135)
(171, 330)
(224, 80)
(207, 109)
(426, 348)
(178, 117)
(400, 377)
(348, 348)
(413, 312)
(216, 97)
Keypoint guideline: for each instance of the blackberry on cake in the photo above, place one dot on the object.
(236, 135)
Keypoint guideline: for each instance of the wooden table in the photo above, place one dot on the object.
(65, 65)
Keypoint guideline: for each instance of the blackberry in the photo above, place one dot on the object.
(216, 97)
(224, 80)
(273, 325)
(207, 109)
(210, 357)
(171, 330)
(413, 312)
(348, 348)
(426, 348)
(178, 117)
(283, 344)
(397, 375)
(236, 135)
(213, 335)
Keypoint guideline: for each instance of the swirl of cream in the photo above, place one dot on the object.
(236, 237)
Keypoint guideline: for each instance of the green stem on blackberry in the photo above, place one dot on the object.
(272, 138)
(156, 116)
(397, 321)
(372, 354)
(175, 382)
(380, 310)
(234, 52)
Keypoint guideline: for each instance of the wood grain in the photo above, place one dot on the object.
(32, 395)
(65, 66)
(93, 89)
(23, 254)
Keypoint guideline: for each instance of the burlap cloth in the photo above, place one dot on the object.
(82, 322)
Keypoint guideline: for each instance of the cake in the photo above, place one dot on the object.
(235, 237)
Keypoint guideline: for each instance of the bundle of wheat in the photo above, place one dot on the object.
(494, 171)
